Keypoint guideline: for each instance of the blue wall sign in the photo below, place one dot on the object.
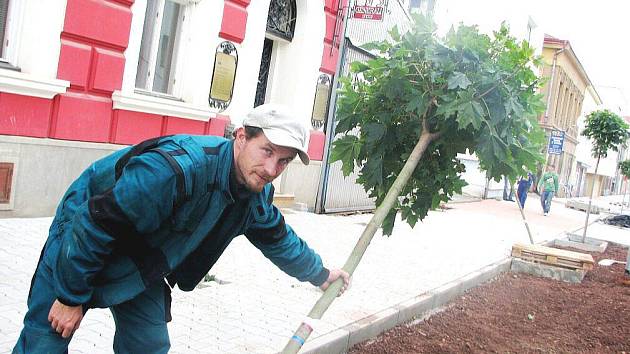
(556, 140)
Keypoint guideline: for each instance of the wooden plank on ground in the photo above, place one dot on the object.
(553, 256)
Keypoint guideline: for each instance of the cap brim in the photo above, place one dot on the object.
(280, 138)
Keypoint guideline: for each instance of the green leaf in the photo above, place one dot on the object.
(469, 113)
(358, 67)
(446, 109)
(458, 80)
(372, 171)
(395, 34)
(346, 150)
(388, 223)
(374, 132)
(418, 105)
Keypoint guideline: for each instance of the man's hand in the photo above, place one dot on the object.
(65, 319)
(334, 275)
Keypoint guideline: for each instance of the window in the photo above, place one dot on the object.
(281, 19)
(4, 30)
(158, 48)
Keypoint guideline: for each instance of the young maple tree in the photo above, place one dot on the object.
(464, 92)
(405, 115)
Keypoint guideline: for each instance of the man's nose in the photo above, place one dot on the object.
(271, 168)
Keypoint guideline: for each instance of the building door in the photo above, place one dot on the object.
(280, 27)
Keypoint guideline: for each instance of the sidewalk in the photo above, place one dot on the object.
(255, 307)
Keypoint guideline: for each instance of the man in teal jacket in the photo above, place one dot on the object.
(161, 213)
(548, 187)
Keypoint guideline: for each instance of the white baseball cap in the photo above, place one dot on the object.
(281, 127)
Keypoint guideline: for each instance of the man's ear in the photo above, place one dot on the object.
(239, 135)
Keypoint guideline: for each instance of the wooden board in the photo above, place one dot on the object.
(553, 256)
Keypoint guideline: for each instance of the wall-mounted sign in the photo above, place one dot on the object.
(556, 141)
(320, 104)
(223, 75)
(368, 10)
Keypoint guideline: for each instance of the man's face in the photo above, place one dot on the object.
(257, 161)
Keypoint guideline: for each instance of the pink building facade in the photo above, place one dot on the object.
(99, 98)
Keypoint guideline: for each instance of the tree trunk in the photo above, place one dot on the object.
(590, 201)
(304, 330)
(520, 208)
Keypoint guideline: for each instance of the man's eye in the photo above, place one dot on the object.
(268, 152)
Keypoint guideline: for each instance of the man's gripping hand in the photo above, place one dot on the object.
(334, 275)
(65, 319)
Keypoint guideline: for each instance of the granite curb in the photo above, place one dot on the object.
(417, 308)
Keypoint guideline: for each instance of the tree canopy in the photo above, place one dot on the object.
(606, 130)
(624, 166)
(464, 92)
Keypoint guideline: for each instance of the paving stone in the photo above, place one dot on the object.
(259, 307)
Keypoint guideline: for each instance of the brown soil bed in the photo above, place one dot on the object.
(518, 313)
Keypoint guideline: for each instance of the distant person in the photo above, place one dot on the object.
(548, 187)
(159, 214)
(524, 183)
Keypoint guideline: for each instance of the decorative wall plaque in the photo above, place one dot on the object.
(223, 76)
(320, 103)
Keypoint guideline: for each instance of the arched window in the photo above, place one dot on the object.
(281, 18)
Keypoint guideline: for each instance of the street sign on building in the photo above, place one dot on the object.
(556, 140)
(367, 10)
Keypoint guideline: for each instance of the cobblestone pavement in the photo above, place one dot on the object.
(254, 308)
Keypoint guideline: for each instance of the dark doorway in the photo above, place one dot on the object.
(263, 74)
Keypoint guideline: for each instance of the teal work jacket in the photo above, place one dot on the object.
(165, 208)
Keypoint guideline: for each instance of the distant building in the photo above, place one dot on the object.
(564, 92)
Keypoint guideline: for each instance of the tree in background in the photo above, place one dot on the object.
(607, 131)
(624, 166)
(405, 116)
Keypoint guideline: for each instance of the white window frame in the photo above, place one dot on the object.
(10, 45)
(172, 87)
(29, 67)
(198, 39)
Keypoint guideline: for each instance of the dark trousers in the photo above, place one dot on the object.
(140, 322)
(545, 200)
(522, 194)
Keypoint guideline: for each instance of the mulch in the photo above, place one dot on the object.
(519, 313)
